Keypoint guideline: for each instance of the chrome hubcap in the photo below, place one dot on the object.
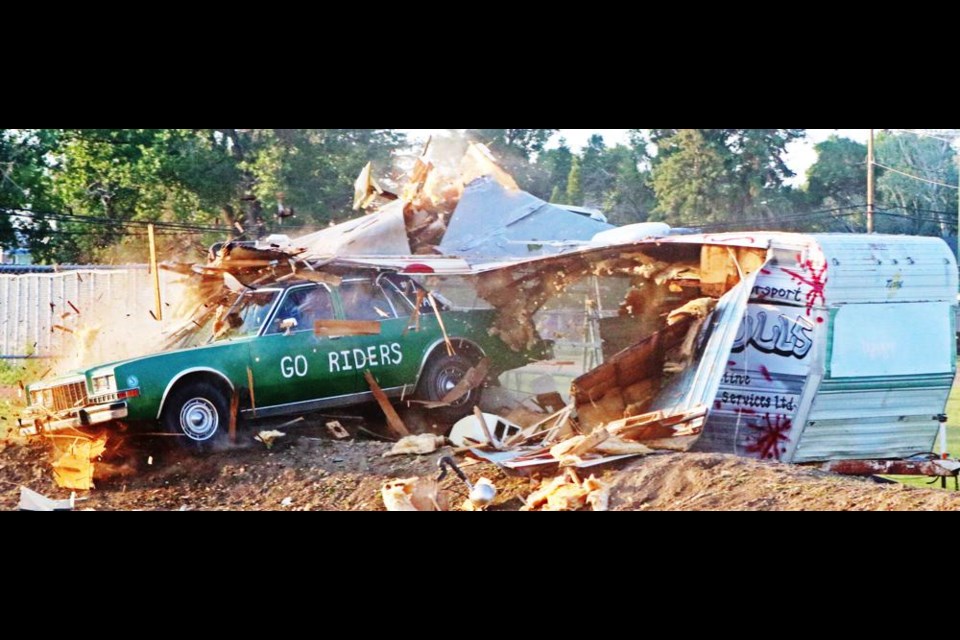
(447, 380)
(199, 419)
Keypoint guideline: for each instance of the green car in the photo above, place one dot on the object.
(270, 350)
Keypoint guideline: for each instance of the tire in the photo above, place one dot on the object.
(200, 413)
(442, 374)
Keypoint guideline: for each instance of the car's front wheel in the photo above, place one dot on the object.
(440, 376)
(199, 413)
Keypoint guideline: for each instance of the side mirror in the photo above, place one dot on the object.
(288, 325)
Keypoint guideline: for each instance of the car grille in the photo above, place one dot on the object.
(66, 396)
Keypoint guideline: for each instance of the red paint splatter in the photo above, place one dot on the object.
(717, 405)
(746, 410)
(765, 272)
(820, 319)
(731, 363)
(769, 434)
(817, 281)
(766, 373)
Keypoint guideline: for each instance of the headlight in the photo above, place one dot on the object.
(104, 384)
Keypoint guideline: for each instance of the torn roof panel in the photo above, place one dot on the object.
(493, 222)
(379, 234)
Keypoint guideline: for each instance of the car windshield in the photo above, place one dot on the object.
(246, 316)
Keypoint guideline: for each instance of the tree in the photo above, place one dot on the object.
(554, 169)
(574, 189)
(689, 179)
(106, 180)
(924, 201)
(839, 176)
(702, 175)
(512, 142)
(838, 179)
(631, 198)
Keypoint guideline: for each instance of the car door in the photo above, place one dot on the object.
(393, 356)
(294, 369)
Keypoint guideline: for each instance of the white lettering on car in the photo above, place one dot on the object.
(357, 360)
(374, 356)
(286, 367)
(290, 367)
(300, 365)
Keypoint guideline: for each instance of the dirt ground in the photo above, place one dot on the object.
(309, 470)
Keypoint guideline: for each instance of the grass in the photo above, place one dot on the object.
(12, 372)
(953, 444)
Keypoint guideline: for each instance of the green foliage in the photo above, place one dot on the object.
(839, 176)
(918, 207)
(689, 179)
(712, 175)
(574, 188)
(512, 142)
(202, 177)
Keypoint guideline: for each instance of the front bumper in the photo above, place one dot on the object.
(77, 419)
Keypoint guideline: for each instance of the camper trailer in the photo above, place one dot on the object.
(846, 350)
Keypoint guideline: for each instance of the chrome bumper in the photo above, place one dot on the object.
(86, 417)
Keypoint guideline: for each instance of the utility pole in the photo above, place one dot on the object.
(870, 183)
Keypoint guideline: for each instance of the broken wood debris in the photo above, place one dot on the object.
(443, 328)
(253, 397)
(567, 492)
(337, 431)
(269, 438)
(394, 423)
(327, 328)
(74, 467)
(471, 380)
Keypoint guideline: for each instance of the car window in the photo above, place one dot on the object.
(401, 304)
(404, 290)
(363, 300)
(247, 316)
(306, 305)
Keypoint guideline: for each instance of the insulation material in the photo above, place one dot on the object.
(568, 493)
(74, 468)
(412, 494)
(416, 445)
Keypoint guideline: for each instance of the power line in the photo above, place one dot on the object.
(926, 135)
(942, 184)
(68, 217)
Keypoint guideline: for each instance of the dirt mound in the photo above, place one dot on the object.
(708, 481)
(316, 473)
(301, 474)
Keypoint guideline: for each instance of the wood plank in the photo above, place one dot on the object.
(472, 379)
(486, 430)
(234, 408)
(319, 276)
(446, 338)
(253, 397)
(394, 423)
(346, 328)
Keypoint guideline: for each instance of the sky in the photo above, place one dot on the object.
(800, 154)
